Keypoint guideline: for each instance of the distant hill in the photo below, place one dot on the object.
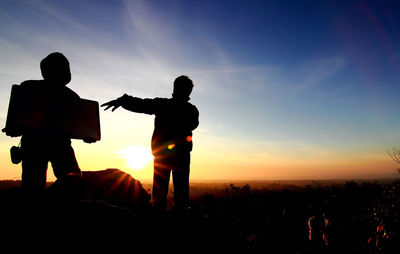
(5, 184)
(207, 185)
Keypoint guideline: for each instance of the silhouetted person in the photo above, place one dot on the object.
(175, 119)
(39, 148)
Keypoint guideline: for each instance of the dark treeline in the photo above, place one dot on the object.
(352, 217)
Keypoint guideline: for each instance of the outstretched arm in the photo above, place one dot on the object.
(135, 104)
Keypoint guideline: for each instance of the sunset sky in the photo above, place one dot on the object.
(285, 89)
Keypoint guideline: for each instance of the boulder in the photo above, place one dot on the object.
(99, 207)
(117, 188)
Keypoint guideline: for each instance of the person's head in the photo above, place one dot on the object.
(183, 87)
(55, 68)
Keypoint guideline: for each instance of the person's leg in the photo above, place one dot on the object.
(70, 182)
(34, 169)
(180, 175)
(63, 160)
(162, 174)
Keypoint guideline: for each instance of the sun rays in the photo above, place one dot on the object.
(136, 157)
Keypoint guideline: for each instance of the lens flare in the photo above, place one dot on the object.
(136, 157)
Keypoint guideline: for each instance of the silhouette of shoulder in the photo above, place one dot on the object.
(32, 84)
(176, 114)
(49, 89)
(165, 102)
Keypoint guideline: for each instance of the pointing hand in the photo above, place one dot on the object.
(114, 104)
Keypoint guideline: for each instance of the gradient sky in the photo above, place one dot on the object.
(285, 89)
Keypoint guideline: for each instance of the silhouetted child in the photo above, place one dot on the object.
(38, 147)
(175, 119)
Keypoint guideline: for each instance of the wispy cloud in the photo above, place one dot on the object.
(314, 73)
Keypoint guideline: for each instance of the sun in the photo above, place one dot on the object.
(136, 157)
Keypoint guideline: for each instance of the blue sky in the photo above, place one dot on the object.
(293, 82)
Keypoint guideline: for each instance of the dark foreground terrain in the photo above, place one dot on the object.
(112, 210)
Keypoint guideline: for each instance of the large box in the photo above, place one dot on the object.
(34, 112)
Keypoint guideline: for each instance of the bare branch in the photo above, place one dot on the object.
(395, 154)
